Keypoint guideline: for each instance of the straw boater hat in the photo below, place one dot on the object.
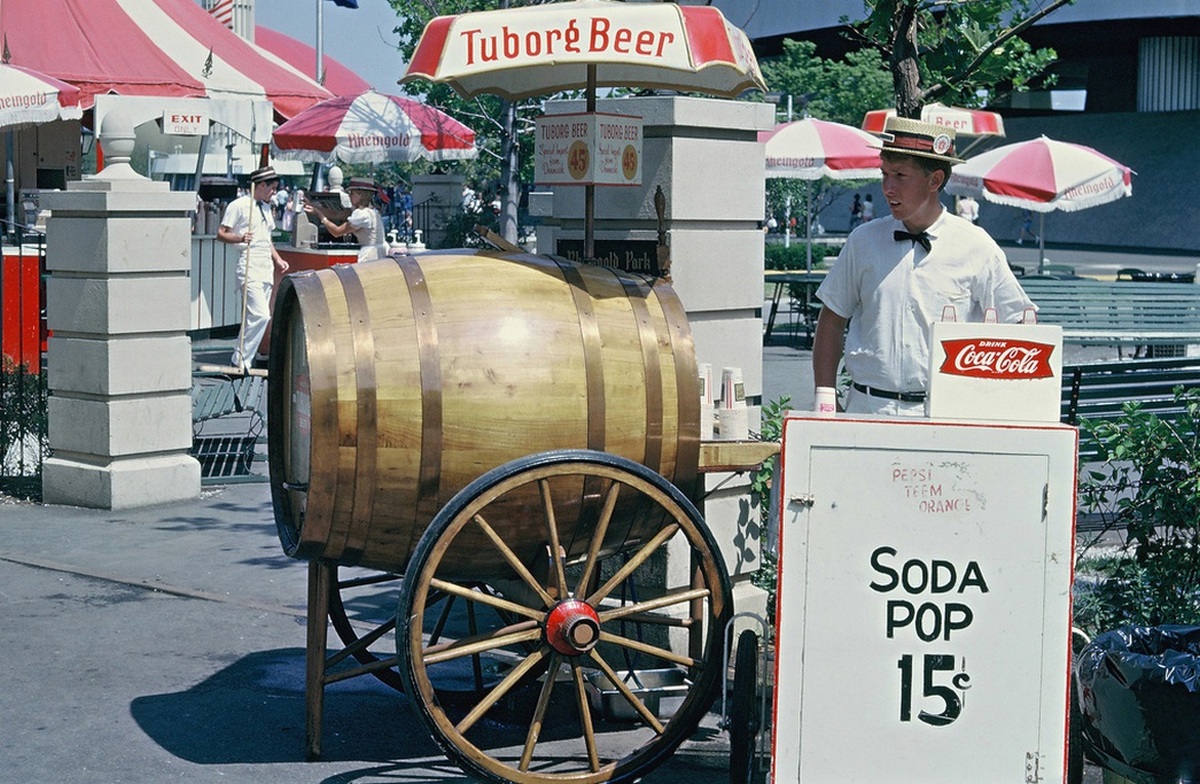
(925, 140)
(265, 174)
(361, 184)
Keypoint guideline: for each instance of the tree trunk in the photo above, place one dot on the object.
(906, 75)
(510, 168)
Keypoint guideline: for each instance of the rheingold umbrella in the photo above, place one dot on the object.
(1043, 175)
(28, 97)
(373, 127)
(810, 149)
(586, 44)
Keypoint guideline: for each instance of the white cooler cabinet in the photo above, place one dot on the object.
(924, 613)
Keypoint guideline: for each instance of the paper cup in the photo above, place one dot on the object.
(734, 423)
(825, 403)
(708, 419)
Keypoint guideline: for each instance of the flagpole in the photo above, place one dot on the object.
(320, 74)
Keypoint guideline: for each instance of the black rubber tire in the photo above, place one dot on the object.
(1074, 737)
(744, 709)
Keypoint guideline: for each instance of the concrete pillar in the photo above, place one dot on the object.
(705, 154)
(118, 252)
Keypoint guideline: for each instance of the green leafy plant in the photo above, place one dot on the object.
(760, 493)
(1146, 484)
(793, 257)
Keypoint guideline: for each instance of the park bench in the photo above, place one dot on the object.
(1126, 314)
(227, 424)
(1100, 390)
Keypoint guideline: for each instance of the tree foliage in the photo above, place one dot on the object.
(962, 52)
(496, 125)
(837, 90)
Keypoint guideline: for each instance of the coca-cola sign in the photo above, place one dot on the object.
(1000, 358)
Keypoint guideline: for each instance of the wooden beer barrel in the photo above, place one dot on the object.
(395, 383)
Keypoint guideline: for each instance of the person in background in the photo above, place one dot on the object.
(365, 222)
(406, 214)
(470, 199)
(895, 276)
(248, 221)
(855, 212)
(1026, 228)
(968, 209)
(868, 209)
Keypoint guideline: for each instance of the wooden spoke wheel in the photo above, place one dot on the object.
(362, 611)
(617, 599)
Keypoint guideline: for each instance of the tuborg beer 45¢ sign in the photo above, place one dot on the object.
(923, 626)
(588, 149)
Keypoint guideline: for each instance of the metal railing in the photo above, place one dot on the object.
(23, 338)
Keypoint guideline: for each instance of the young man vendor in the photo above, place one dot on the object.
(895, 276)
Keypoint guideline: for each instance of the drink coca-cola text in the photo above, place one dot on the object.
(997, 358)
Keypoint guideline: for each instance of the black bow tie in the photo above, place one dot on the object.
(921, 239)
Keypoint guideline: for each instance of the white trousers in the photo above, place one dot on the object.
(255, 320)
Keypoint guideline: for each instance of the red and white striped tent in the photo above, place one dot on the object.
(339, 79)
(160, 48)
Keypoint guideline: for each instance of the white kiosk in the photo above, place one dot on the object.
(925, 566)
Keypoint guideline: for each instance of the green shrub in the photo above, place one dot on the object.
(1148, 485)
(760, 494)
(795, 256)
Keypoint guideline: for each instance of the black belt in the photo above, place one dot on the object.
(903, 397)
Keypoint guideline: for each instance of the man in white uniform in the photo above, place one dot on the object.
(896, 276)
(248, 222)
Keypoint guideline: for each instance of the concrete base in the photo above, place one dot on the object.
(121, 484)
(749, 598)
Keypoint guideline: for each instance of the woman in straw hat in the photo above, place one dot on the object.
(895, 276)
(365, 222)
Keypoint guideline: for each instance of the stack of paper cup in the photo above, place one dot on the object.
(733, 417)
(826, 402)
(708, 414)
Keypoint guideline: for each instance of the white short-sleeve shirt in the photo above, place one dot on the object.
(893, 291)
(245, 215)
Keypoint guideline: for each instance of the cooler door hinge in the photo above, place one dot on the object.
(1033, 764)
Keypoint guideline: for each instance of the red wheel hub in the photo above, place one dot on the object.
(573, 627)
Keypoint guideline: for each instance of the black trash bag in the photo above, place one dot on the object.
(1139, 691)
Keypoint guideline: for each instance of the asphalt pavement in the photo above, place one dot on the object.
(167, 644)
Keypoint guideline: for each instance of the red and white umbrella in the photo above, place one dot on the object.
(810, 149)
(373, 128)
(1043, 175)
(965, 122)
(541, 49)
(28, 97)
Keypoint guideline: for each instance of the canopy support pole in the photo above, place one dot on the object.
(1041, 241)
(10, 183)
(589, 191)
(808, 223)
(200, 153)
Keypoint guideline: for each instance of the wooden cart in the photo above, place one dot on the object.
(495, 456)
